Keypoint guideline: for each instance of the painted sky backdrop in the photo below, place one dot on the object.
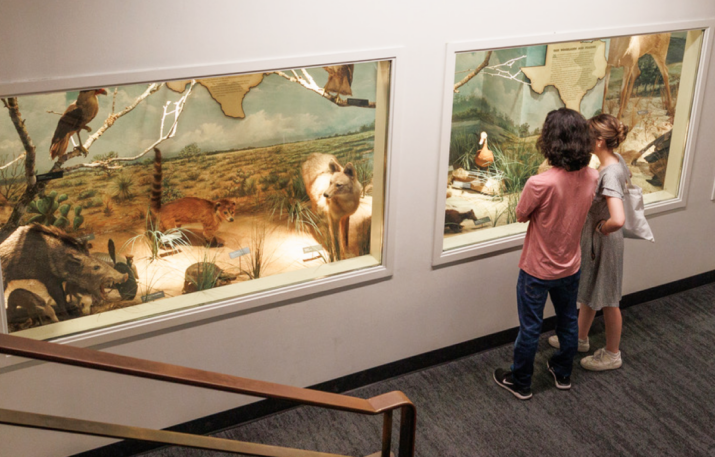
(277, 111)
(517, 100)
(513, 98)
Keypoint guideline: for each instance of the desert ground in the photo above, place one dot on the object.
(264, 182)
(647, 119)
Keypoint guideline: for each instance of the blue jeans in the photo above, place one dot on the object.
(531, 295)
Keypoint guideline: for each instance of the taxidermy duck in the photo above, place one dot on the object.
(484, 156)
(75, 118)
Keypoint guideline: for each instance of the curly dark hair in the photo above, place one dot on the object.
(565, 140)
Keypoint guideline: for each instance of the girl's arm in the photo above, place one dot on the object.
(617, 219)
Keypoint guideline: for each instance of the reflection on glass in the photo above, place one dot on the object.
(502, 97)
(156, 197)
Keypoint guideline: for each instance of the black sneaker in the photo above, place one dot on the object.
(503, 379)
(560, 382)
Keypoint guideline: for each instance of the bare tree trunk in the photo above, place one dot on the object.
(33, 187)
(476, 71)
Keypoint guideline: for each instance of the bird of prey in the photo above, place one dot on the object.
(75, 118)
(340, 77)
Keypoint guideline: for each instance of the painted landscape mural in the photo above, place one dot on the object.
(502, 97)
(115, 196)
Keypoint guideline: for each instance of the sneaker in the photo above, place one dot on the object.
(601, 360)
(583, 345)
(503, 379)
(562, 383)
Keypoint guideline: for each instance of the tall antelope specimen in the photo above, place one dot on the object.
(625, 52)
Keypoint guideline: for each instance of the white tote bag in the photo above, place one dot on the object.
(636, 225)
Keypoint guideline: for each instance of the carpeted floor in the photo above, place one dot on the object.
(660, 403)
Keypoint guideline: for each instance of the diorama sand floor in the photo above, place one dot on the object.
(649, 120)
(210, 177)
(283, 251)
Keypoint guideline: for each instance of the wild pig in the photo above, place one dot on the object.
(52, 257)
(33, 305)
(128, 289)
(79, 299)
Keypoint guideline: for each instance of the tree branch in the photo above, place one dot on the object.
(171, 131)
(13, 161)
(33, 187)
(309, 83)
(111, 119)
(496, 70)
(471, 75)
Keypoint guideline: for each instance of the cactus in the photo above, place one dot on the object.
(45, 207)
(62, 221)
(78, 218)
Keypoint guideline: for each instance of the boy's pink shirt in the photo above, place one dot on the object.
(556, 204)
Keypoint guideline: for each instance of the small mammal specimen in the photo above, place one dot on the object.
(453, 219)
(189, 209)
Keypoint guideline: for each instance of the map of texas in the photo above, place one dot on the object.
(572, 68)
(227, 91)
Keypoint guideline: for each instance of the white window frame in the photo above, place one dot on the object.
(514, 235)
(262, 299)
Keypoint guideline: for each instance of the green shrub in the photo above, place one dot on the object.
(85, 194)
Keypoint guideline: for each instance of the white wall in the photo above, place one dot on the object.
(419, 309)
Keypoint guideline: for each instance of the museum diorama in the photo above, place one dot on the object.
(118, 202)
(501, 97)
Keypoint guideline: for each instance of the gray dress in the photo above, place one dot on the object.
(602, 256)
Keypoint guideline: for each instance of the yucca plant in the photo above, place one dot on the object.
(258, 257)
(124, 187)
(156, 240)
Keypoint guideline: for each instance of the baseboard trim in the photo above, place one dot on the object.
(237, 416)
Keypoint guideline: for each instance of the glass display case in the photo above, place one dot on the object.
(123, 203)
(499, 97)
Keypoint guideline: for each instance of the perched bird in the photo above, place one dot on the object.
(340, 78)
(75, 118)
(484, 156)
(658, 159)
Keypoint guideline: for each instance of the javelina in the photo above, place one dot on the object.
(453, 219)
(205, 275)
(51, 256)
(33, 305)
(128, 289)
(79, 299)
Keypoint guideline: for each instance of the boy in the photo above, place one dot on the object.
(555, 203)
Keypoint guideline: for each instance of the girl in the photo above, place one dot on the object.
(602, 247)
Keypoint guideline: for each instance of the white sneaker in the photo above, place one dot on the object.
(583, 345)
(601, 361)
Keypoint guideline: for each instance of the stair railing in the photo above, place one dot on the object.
(383, 404)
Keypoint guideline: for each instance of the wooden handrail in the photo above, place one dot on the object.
(104, 361)
(84, 427)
